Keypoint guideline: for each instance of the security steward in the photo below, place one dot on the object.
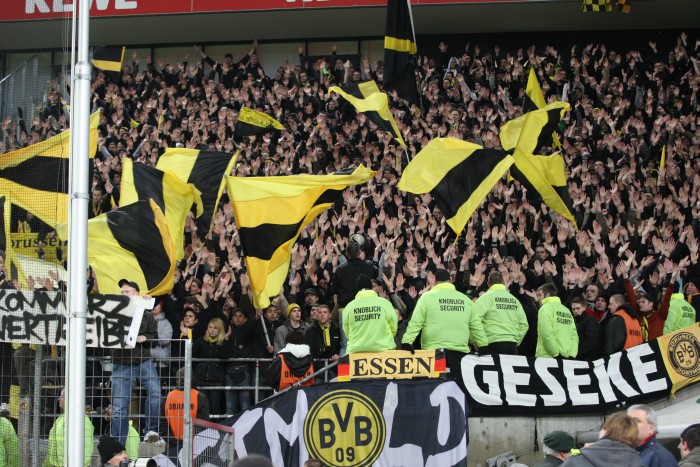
(448, 320)
(623, 330)
(503, 319)
(680, 314)
(556, 329)
(369, 320)
(175, 408)
(292, 364)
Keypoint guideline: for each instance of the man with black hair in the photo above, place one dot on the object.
(587, 329)
(689, 446)
(344, 282)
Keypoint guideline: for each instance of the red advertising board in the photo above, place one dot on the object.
(19, 10)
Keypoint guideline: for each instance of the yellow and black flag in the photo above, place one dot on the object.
(205, 171)
(368, 99)
(399, 51)
(546, 175)
(596, 5)
(458, 174)
(533, 130)
(132, 242)
(252, 122)
(35, 178)
(534, 99)
(270, 214)
(624, 5)
(109, 60)
(173, 196)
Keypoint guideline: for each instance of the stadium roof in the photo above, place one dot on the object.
(299, 20)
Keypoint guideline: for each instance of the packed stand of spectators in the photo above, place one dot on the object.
(637, 235)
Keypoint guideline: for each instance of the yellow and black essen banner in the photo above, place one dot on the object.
(205, 171)
(35, 178)
(545, 174)
(108, 58)
(173, 196)
(399, 51)
(252, 122)
(132, 242)
(368, 99)
(458, 174)
(270, 214)
(392, 364)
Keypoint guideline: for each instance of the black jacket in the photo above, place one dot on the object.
(616, 332)
(141, 351)
(345, 278)
(314, 339)
(587, 329)
(207, 373)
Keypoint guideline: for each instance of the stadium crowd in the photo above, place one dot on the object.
(636, 245)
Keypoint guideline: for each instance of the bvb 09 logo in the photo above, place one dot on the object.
(345, 428)
(683, 352)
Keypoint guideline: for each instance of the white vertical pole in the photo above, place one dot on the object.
(77, 243)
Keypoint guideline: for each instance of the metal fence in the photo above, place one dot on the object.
(35, 404)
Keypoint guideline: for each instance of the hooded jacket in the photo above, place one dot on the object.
(692, 459)
(605, 453)
(298, 360)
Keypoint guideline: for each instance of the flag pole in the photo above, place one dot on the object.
(77, 239)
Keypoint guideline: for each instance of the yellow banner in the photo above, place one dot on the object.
(391, 364)
(680, 351)
(27, 244)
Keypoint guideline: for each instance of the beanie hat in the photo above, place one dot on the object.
(559, 441)
(291, 307)
(109, 447)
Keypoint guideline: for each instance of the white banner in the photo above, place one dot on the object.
(41, 318)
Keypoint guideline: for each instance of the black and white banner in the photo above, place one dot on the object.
(510, 384)
(40, 318)
(379, 423)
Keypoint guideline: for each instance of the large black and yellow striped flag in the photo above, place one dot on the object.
(368, 99)
(270, 214)
(205, 171)
(524, 136)
(458, 174)
(109, 59)
(173, 196)
(399, 51)
(35, 178)
(132, 242)
(596, 5)
(252, 122)
(533, 130)
(534, 99)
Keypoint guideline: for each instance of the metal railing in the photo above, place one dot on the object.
(38, 408)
